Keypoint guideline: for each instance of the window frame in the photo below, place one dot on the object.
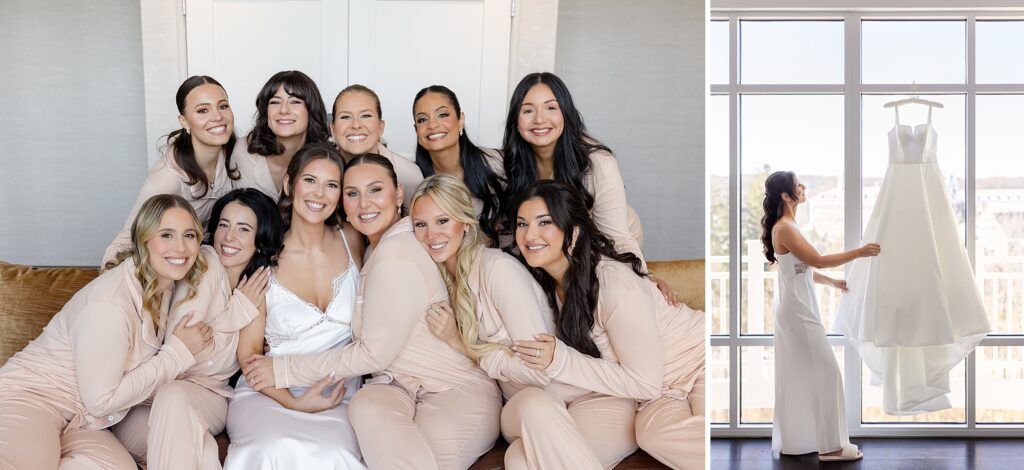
(852, 89)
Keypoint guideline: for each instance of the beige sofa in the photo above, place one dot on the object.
(30, 296)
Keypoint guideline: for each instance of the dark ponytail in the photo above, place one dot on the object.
(180, 141)
(777, 184)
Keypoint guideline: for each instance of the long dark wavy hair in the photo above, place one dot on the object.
(306, 154)
(269, 226)
(261, 140)
(777, 184)
(180, 141)
(572, 149)
(575, 319)
(481, 180)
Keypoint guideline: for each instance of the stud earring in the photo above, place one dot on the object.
(188, 131)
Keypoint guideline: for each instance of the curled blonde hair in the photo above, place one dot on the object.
(144, 228)
(454, 198)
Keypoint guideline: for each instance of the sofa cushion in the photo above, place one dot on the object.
(29, 297)
(685, 276)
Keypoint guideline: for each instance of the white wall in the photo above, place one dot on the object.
(636, 72)
(72, 133)
(106, 74)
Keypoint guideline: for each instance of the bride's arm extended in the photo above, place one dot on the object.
(789, 237)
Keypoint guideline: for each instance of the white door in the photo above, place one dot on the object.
(243, 43)
(395, 47)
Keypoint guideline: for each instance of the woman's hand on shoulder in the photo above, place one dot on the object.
(254, 287)
(666, 290)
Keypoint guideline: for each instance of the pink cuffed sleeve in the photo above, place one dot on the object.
(632, 329)
(519, 302)
(611, 213)
(100, 341)
(393, 302)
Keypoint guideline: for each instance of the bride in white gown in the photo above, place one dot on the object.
(916, 312)
(809, 404)
(310, 301)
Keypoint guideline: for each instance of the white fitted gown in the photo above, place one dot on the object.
(809, 406)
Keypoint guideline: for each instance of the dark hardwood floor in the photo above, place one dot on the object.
(881, 454)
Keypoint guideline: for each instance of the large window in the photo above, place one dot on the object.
(805, 92)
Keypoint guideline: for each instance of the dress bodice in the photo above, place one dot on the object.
(295, 326)
(913, 144)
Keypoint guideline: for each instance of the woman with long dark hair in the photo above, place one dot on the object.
(427, 405)
(546, 138)
(309, 308)
(443, 147)
(357, 127)
(809, 406)
(196, 161)
(290, 113)
(108, 349)
(495, 301)
(616, 335)
(176, 429)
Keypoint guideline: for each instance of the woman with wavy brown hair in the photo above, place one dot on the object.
(107, 350)
(290, 114)
(196, 162)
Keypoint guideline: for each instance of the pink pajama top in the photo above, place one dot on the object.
(98, 356)
(649, 348)
(166, 177)
(225, 312)
(391, 338)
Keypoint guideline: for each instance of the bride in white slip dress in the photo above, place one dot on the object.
(916, 312)
(302, 428)
(809, 404)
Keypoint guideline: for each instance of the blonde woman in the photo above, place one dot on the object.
(106, 350)
(357, 126)
(494, 302)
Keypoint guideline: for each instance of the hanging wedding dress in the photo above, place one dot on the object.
(913, 312)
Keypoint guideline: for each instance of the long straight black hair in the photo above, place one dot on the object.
(269, 226)
(479, 177)
(777, 184)
(572, 149)
(261, 140)
(575, 319)
(180, 141)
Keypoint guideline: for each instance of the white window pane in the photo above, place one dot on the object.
(950, 125)
(999, 251)
(803, 134)
(872, 401)
(718, 386)
(1000, 384)
(999, 51)
(914, 51)
(757, 382)
(718, 53)
(718, 199)
(791, 52)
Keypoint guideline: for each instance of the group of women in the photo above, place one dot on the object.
(513, 299)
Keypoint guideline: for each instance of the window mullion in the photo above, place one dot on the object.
(853, 200)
